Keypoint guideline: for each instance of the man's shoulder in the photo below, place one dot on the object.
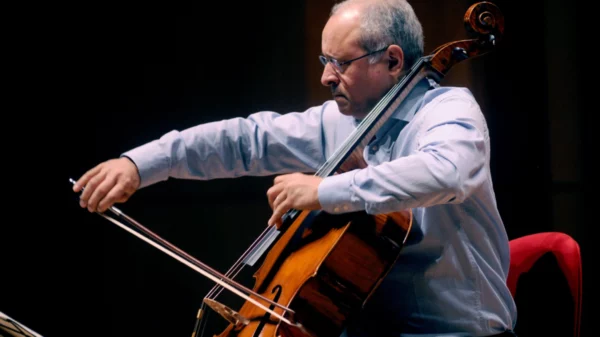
(445, 103)
(439, 94)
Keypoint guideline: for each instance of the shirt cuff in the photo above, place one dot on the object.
(336, 194)
(153, 166)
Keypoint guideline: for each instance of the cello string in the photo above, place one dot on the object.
(238, 265)
(368, 121)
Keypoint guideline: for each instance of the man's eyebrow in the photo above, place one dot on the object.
(326, 54)
(329, 56)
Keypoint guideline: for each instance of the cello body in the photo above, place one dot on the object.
(330, 274)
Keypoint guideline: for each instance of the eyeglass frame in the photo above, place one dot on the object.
(338, 65)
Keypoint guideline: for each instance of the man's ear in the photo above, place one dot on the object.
(395, 59)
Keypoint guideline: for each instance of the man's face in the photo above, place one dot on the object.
(361, 85)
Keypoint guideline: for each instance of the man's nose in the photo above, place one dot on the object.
(329, 76)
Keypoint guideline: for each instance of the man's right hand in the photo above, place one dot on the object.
(112, 181)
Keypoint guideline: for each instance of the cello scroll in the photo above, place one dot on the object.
(483, 20)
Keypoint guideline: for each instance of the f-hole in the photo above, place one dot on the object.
(277, 290)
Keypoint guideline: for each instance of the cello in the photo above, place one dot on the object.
(319, 269)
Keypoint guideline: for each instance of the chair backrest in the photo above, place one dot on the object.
(527, 250)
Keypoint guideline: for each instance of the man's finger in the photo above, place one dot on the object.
(278, 213)
(273, 193)
(90, 186)
(280, 198)
(117, 194)
(100, 192)
(282, 178)
(83, 180)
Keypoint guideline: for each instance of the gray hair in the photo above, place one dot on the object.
(388, 22)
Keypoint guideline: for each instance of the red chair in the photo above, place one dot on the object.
(527, 250)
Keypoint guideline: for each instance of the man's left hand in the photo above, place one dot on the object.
(296, 190)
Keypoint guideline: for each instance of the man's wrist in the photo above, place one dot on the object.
(336, 196)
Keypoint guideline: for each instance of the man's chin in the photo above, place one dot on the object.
(343, 105)
(346, 110)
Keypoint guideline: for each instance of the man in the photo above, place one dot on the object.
(432, 156)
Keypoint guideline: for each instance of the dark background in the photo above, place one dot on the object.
(114, 76)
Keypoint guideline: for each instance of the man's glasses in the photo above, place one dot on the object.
(339, 65)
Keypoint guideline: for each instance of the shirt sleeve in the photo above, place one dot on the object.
(264, 143)
(448, 164)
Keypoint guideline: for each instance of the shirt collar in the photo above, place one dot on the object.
(411, 104)
(408, 108)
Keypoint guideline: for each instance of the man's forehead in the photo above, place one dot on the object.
(341, 32)
(345, 19)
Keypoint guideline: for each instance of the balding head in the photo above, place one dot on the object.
(385, 22)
